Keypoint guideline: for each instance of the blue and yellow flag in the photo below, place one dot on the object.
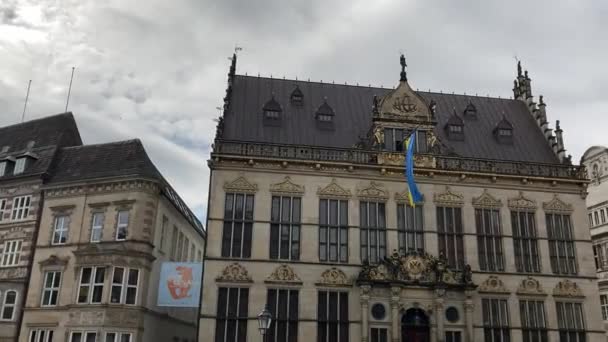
(413, 194)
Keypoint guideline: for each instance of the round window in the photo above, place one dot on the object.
(451, 314)
(378, 311)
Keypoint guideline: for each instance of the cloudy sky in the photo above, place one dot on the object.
(156, 70)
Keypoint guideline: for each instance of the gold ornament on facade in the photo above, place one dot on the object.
(241, 184)
(521, 203)
(372, 192)
(333, 190)
(556, 205)
(530, 286)
(493, 285)
(234, 273)
(287, 187)
(334, 277)
(448, 198)
(284, 274)
(567, 288)
(486, 201)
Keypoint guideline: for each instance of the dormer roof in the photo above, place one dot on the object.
(272, 105)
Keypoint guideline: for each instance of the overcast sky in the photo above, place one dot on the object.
(156, 70)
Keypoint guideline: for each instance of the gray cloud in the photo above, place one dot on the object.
(158, 71)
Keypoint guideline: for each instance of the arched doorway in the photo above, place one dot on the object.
(415, 326)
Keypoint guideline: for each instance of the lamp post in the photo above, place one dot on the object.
(264, 320)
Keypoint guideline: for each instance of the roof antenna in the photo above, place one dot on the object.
(237, 49)
(27, 96)
(69, 91)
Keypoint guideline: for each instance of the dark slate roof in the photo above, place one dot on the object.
(352, 106)
(123, 159)
(56, 130)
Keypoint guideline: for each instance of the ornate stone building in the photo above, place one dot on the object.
(26, 153)
(308, 214)
(595, 161)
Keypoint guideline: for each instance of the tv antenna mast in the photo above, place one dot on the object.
(69, 90)
(27, 96)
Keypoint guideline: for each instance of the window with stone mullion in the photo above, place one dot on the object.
(238, 223)
(450, 235)
(532, 314)
(231, 317)
(570, 322)
(333, 230)
(332, 316)
(285, 228)
(410, 228)
(561, 244)
(604, 304)
(489, 239)
(283, 305)
(495, 320)
(373, 231)
(525, 242)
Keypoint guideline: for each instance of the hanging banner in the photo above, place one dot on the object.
(180, 284)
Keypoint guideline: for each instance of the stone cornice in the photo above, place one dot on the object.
(71, 190)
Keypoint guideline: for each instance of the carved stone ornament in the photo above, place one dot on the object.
(556, 205)
(287, 187)
(567, 288)
(234, 273)
(448, 198)
(334, 277)
(241, 184)
(333, 190)
(486, 201)
(373, 192)
(530, 286)
(404, 102)
(521, 203)
(401, 197)
(13, 273)
(492, 285)
(284, 274)
(54, 260)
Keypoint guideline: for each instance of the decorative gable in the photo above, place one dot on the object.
(287, 187)
(567, 288)
(486, 201)
(530, 286)
(334, 277)
(54, 261)
(234, 273)
(402, 197)
(448, 198)
(521, 203)
(373, 192)
(556, 205)
(333, 190)
(284, 274)
(493, 285)
(241, 184)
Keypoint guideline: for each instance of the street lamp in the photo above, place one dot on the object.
(264, 320)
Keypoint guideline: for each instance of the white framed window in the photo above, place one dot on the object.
(122, 225)
(2, 168)
(2, 208)
(125, 282)
(50, 290)
(8, 305)
(90, 289)
(41, 335)
(11, 252)
(118, 337)
(83, 336)
(21, 207)
(60, 230)
(19, 166)
(97, 227)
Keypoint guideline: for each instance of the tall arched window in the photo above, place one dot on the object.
(8, 305)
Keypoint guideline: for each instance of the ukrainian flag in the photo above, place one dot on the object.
(413, 194)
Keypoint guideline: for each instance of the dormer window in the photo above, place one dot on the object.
(3, 168)
(20, 165)
(325, 116)
(272, 111)
(470, 111)
(297, 97)
(455, 127)
(503, 132)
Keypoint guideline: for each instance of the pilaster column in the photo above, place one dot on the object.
(468, 314)
(439, 293)
(395, 298)
(365, 290)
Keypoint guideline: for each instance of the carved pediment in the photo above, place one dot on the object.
(333, 190)
(493, 285)
(334, 277)
(567, 288)
(234, 273)
(54, 260)
(448, 198)
(402, 197)
(287, 187)
(556, 205)
(403, 102)
(486, 201)
(241, 184)
(530, 286)
(284, 274)
(373, 192)
(521, 203)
